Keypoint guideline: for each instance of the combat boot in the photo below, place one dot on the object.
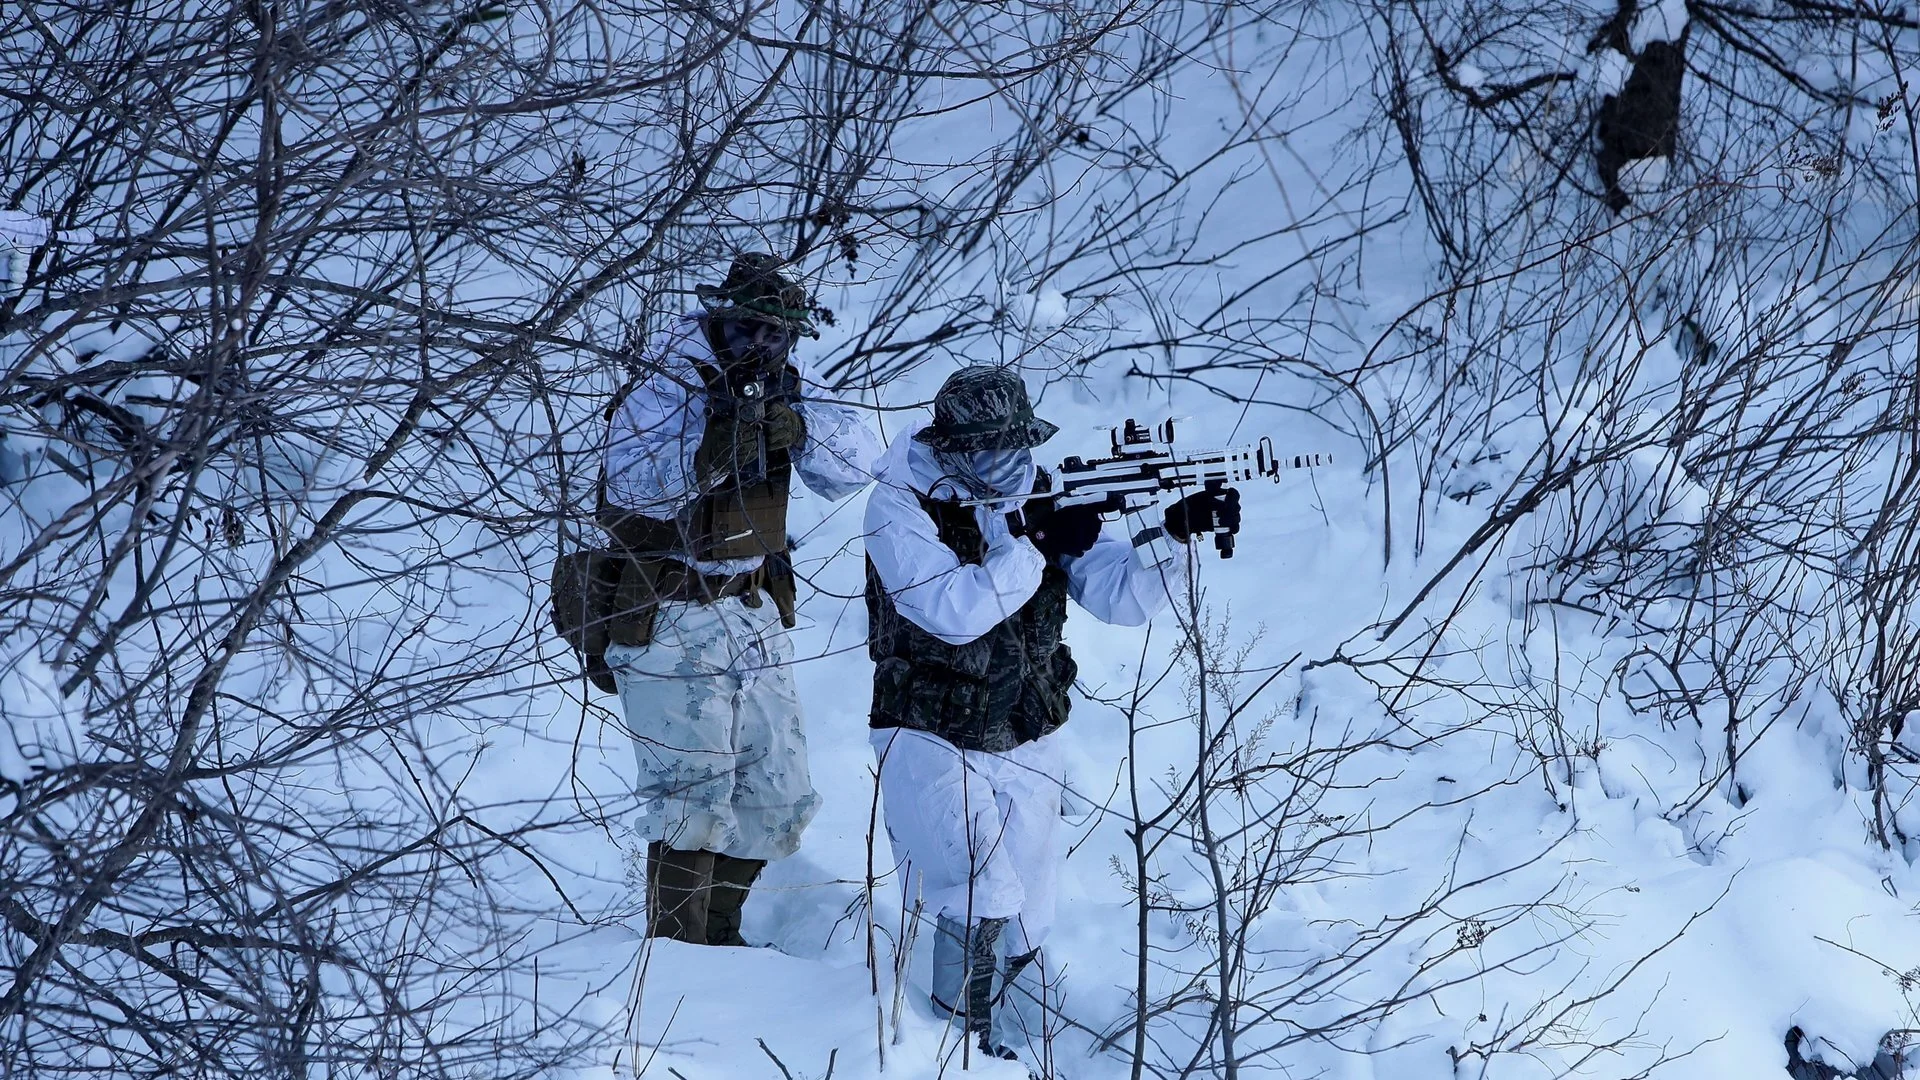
(679, 888)
(965, 963)
(732, 878)
(1019, 1008)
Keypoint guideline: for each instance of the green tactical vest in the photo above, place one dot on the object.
(737, 520)
(1007, 687)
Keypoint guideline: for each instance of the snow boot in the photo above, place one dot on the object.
(964, 961)
(679, 887)
(732, 878)
(1019, 1009)
(965, 969)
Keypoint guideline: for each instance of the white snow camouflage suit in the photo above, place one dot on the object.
(975, 830)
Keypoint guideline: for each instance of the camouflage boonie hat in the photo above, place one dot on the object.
(756, 289)
(984, 407)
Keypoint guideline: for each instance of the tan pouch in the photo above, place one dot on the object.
(636, 604)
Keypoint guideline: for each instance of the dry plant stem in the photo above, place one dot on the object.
(332, 246)
(902, 958)
(1137, 838)
(1227, 991)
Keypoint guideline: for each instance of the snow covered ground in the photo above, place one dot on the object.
(1593, 914)
(1465, 824)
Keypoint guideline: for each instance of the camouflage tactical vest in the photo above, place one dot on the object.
(1007, 687)
(742, 518)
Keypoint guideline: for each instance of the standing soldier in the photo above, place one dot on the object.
(700, 455)
(967, 598)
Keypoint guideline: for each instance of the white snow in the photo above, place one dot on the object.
(1507, 838)
(1661, 20)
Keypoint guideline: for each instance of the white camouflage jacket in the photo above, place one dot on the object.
(654, 435)
(958, 602)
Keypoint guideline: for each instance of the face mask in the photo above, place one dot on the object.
(755, 342)
(989, 474)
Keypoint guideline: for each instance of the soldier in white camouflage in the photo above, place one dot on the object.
(967, 589)
(700, 457)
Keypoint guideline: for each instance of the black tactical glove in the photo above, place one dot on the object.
(1057, 531)
(1204, 511)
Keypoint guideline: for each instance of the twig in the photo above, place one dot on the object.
(775, 1057)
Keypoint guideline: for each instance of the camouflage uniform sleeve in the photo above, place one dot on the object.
(1117, 586)
(954, 601)
(840, 452)
(653, 436)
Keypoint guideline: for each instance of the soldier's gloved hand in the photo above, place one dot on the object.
(722, 449)
(1057, 531)
(786, 430)
(731, 448)
(1204, 511)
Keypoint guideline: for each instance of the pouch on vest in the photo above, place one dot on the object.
(1046, 699)
(584, 599)
(636, 603)
(746, 514)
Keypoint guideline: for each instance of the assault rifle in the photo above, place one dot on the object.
(1145, 463)
(743, 393)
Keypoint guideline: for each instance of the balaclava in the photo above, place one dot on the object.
(755, 344)
(988, 474)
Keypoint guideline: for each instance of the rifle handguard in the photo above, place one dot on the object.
(1145, 464)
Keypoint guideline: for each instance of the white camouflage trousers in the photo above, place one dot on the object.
(974, 831)
(717, 731)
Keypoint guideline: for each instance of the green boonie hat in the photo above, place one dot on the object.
(984, 407)
(756, 289)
